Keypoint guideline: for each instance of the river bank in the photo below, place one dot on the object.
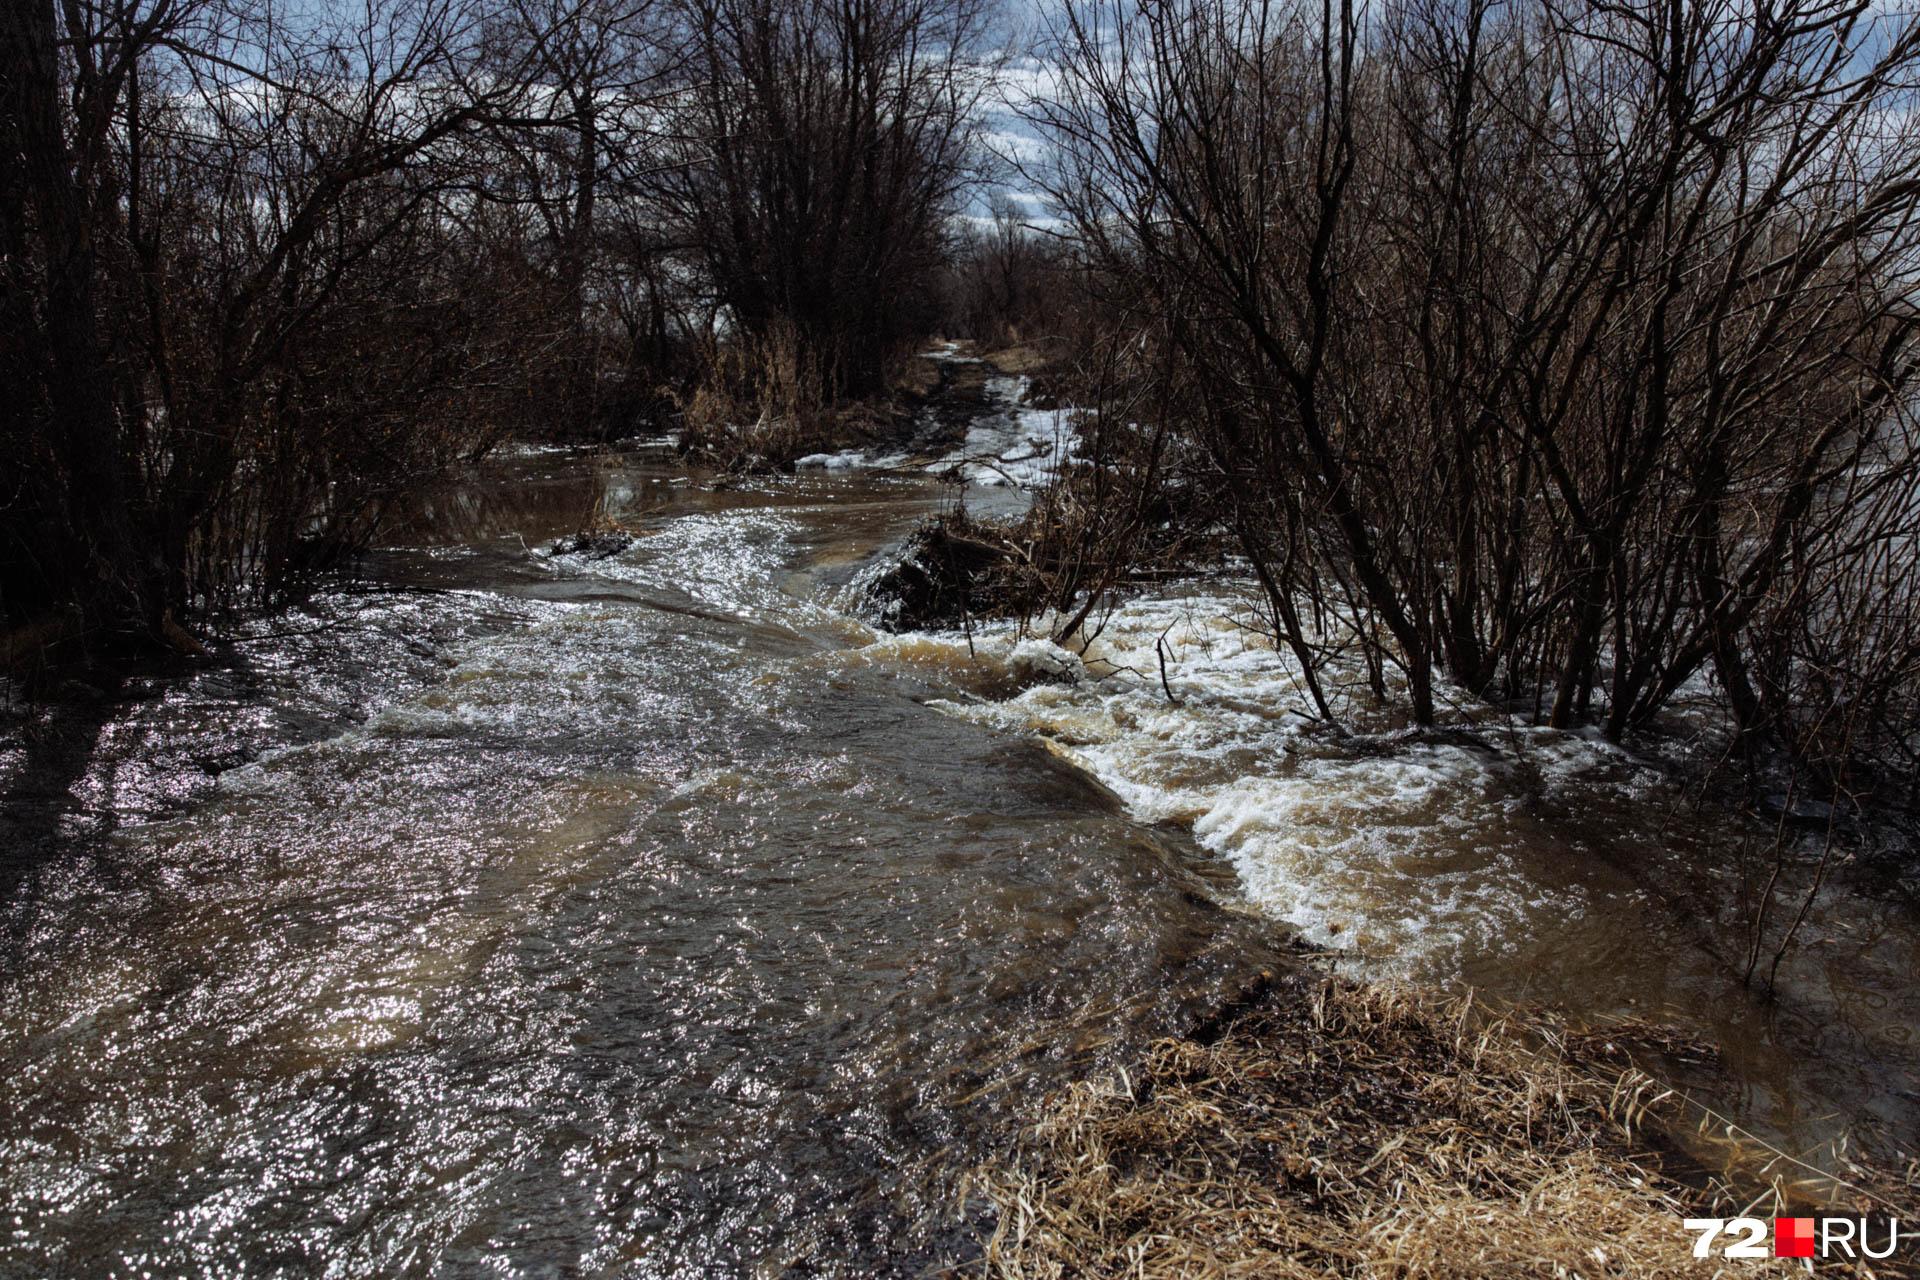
(1336, 1128)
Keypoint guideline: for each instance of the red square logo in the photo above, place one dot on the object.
(1793, 1237)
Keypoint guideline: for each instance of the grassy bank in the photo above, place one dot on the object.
(1355, 1130)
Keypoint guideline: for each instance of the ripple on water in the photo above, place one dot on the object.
(648, 916)
(650, 940)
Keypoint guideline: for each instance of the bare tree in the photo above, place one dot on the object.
(591, 138)
(253, 295)
(1537, 345)
(824, 146)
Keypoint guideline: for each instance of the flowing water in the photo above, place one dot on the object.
(605, 917)
(650, 914)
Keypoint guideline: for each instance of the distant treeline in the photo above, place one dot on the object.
(267, 268)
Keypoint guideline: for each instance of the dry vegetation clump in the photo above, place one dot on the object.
(1361, 1131)
(957, 569)
(763, 403)
(1093, 536)
(920, 376)
(1019, 358)
(759, 402)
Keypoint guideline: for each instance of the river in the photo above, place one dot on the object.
(654, 915)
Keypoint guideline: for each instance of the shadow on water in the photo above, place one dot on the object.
(49, 753)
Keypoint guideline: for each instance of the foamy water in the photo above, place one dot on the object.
(646, 915)
(1413, 853)
(614, 928)
(1535, 865)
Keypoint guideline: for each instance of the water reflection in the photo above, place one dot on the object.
(640, 939)
(644, 915)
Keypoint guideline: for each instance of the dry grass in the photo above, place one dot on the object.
(1363, 1131)
(760, 404)
(1022, 358)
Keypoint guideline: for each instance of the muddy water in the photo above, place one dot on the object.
(622, 926)
(1545, 869)
(650, 915)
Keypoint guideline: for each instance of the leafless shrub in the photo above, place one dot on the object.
(819, 152)
(1561, 351)
(266, 272)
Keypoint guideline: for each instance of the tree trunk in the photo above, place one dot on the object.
(110, 578)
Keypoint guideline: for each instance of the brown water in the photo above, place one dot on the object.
(1544, 868)
(653, 916)
(605, 923)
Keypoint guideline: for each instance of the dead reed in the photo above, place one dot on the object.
(1358, 1130)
